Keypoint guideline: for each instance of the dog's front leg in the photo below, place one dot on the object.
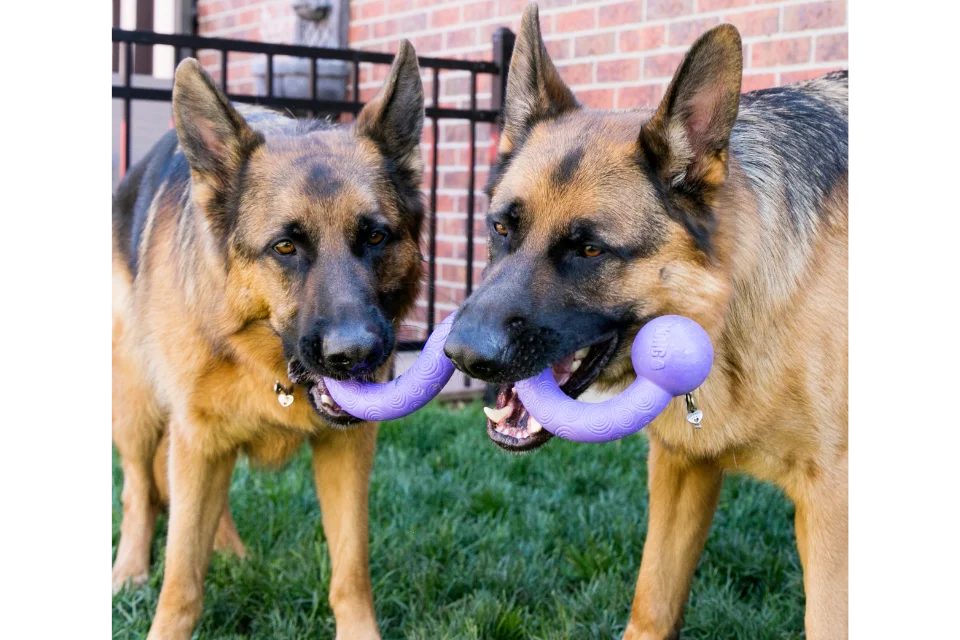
(199, 482)
(683, 497)
(821, 528)
(342, 461)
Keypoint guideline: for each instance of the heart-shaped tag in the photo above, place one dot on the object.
(694, 418)
(285, 399)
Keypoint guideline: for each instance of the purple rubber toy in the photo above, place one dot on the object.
(408, 393)
(672, 356)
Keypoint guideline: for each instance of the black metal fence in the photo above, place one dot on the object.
(502, 44)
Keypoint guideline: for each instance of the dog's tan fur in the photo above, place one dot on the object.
(770, 288)
(196, 335)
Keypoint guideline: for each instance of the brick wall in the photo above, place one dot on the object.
(613, 53)
(259, 20)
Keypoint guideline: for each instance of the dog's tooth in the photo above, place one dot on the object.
(576, 365)
(326, 400)
(533, 426)
(496, 415)
(580, 355)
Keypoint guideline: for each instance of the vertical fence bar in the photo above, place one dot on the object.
(313, 86)
(223, 70)
(503, 41)
(127, 82)
(356, 82)
(432, 269)
(269, 75)
(471, 176)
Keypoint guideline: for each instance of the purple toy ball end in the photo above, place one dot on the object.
(673, 352)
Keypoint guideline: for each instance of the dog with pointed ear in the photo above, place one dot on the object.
(218, 141)
(269, 253)
(728, 209)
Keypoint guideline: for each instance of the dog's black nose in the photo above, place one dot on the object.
(478, 353)
(474, 364)
(350, 348)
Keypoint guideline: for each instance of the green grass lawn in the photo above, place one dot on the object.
(467, 541)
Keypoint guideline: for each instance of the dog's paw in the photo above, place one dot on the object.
(366, 634)
(230, 546)
(231, 549)
(129, 580)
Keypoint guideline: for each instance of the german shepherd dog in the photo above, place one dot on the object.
(252, 250)
(729, 209)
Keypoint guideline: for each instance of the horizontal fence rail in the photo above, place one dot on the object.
(503, 40)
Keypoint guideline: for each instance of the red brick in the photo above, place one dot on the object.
(574, 74)
(514, 7)
(618, 70)
(447, 226)
(594, 45)
(397, 6)
(642, 39)
(647, 95)
(453, 180)
(597, 98)
(450, 249)
(251, 16)
(755, 23)
(461, 38)
(451, 272)
(704, 6)
(454, 86)
(807, 74)
(445, 17)
(385, 29)
(428, 44)
(616, 15)
(453, 295)
(777, 52)
(359, 33)
(414, 22)
(448, 204)
(379, 72)
(581, 20)
(661, 66)
(755, 81)
(559, 49)
(832, 47)
(478, 11)
(818, 15)
(659, 9)
(371, 10)
(686, 32)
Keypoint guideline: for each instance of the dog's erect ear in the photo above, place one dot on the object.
(393, 120)
(686, 140)
(535, 90)
(214, 137)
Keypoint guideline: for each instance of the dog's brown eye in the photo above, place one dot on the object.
(590, 251)
(285, 248)
(376, 238)
(499, 228)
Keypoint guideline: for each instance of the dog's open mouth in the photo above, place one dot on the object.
(512, 428)
(318, 396)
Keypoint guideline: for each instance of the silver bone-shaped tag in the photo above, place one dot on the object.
(694, 415)
(284, 395)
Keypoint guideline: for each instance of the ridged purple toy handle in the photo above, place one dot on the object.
(408, 393)
(672, 356)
